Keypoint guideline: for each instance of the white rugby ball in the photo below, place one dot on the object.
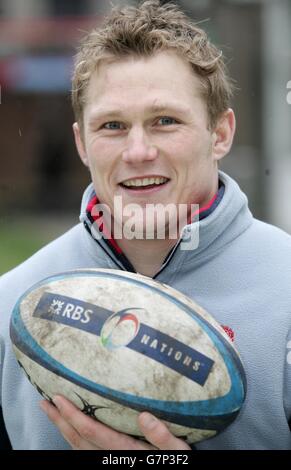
(117, 343)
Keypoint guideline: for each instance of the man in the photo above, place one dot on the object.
(151, 99)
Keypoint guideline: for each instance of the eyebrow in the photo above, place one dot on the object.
(101, 113)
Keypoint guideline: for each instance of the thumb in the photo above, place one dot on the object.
(157, 433)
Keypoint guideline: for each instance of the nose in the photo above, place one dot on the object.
(139, 149)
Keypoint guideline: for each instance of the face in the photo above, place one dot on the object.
(146, 136)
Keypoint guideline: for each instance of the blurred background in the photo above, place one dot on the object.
(41, 177)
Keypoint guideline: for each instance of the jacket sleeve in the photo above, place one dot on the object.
(287, 380)
(4, 440)
(1, 363)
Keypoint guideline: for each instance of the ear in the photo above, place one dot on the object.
(80, 144)
(223, 135)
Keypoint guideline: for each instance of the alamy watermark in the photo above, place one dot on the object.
(147, 222)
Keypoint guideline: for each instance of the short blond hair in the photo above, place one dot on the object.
(143, 31)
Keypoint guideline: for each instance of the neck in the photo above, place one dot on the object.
(146, 256)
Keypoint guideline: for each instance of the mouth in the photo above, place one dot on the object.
(143, 183)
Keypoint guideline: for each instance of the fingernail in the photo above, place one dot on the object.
(57, 403)
(148, 421)
(43, 406)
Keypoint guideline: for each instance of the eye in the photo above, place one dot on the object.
(113, 125)
(167, 121)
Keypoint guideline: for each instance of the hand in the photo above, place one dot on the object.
(84, 433)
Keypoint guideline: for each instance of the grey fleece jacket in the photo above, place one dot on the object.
(240, 272)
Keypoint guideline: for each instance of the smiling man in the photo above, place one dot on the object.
(151, 98)
(146, 136)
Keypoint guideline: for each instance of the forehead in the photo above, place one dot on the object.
(156, 80)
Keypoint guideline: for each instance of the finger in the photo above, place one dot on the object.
(158, 434)
(95, 432)
(69, 433)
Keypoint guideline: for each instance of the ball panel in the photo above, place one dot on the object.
(151, 342)
(121, 418)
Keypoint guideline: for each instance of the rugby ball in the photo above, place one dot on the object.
(117, 343)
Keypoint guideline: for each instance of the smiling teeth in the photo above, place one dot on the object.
(145, 181)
